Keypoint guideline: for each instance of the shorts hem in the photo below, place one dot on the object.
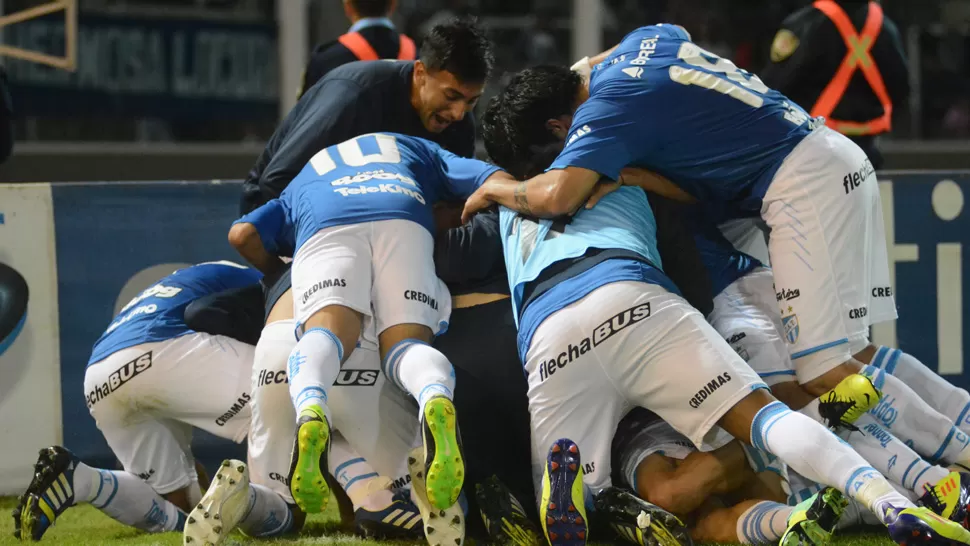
(776, 378)
(698, 435)
(173, 486)
(317, 307)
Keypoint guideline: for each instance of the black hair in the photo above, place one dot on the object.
(371, 8)
(461, 47)
(514, 125)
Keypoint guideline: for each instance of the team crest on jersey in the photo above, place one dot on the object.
(784, 45)
(790, 323)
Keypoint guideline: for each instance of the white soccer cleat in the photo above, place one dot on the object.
(441, 527)
(222, 507)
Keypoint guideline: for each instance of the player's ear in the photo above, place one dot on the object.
(559, 127)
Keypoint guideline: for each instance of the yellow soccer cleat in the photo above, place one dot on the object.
(309, 466)
(813, 521)
(842, 406)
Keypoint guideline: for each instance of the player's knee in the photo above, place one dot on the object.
(828, 380)
(662, 491)
(866, 355)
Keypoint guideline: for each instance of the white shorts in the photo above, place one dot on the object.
(383, 270)
(376, 418)
(746, 315)
(828, 251)
(627, 344)
(146, 399)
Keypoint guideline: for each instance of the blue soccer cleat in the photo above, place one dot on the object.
(919, 525)
(562, 510)
(400, 520)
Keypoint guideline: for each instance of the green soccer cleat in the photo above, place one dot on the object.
(813, 521)
(444, 465)
(309, 466)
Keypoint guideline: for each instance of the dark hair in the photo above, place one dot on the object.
(514, 125)
(371, 8)
(460, 47)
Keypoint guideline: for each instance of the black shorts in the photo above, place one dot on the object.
(275, 288)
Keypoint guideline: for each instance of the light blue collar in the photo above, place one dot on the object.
(371, 22)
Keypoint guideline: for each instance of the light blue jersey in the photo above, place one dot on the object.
(157, 314)
(380, 176)
(662, 102)
(537, 250)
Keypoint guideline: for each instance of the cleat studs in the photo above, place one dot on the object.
(555, 448)
(550, 520)
(572, 467)
(441, 513)
(219, 476)
(581, 535)
(232, 482)
(573, 449)
(456, 520)
(553, 466)
(205, 515)
(191, 520)
(225, 463)
(567, 536)
(552, 506)
(553, 536)
(412, 460)
(571, 508)
(240, 468)
(217, 517)
(217, 528)
(578, 520)
(563, 519)
(429, 530)
(188, 540)
(199, 506)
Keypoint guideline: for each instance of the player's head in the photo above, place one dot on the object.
(450, 73)
(359, 9)
(532, 112)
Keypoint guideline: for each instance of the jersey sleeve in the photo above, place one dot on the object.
(461, 176)
(335, 111)
(273, 226)
(601, 136)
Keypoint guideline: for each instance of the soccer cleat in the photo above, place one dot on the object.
(312, 446)
(504, 517)
(949, 498)
(444, 467)
(221, 509)
(562, 510)
(441, 527)
(813, 521)
(50, 493)
(919, 525)
(842, 406)
(638, 521)
(398, 520)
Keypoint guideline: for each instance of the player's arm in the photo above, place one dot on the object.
(256, 237)
(553, 193)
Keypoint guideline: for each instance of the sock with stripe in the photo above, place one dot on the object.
(126, 498)
(939, 393)
(909, 418)
(421, 370)
(814, 452)
(313, 366)
(764, 523)
(856, 515)
(365, 487)
(890, 456)
(267, 515)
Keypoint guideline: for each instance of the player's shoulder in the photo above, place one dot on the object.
(373, 74)
(803, 20)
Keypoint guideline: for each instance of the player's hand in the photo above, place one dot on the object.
(655, 183)
(602, 189)
(476, 203)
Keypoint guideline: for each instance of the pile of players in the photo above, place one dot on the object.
(675, 387)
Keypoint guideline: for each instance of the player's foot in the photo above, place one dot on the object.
(843, 405)
(50, 493)
(399, 520)
(919, 525)
(222, 507)
(307, 482)
(562, 510)
(637, 521)
(813, 521)
(949, 498)
(444, 466)
(441, 527)
(504, 517)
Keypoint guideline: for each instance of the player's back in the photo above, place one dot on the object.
(692, 116)
(157, 313)
(622, 220)
(379, 176)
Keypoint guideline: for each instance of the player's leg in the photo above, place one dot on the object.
(332, 285)
(411, 306)
(940, 394)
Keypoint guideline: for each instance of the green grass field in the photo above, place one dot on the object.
(86, 526)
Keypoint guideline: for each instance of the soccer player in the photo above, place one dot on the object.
(363, 270)
(827, 248)
(601, 330)
(135, 391)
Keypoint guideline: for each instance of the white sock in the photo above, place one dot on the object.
(892, 457)
(814, 452)
(763, 523)
(312, 368)
(911, 419)
(939, 393)
(811, 411)
(420, 370)
(130, 500)
(365, 487)
(856, 515)
(268, 515)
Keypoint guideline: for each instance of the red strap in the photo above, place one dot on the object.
(858, 56)
(407, 50)
(359, 46)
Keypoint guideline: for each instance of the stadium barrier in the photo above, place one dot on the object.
(87, 248)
